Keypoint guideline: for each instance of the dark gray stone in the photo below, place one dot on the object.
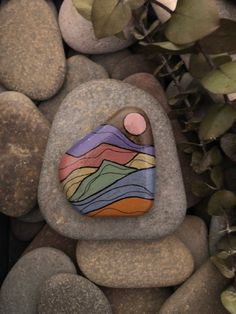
(84, 109)
(70, 294)
(21, 289)
(23, 137)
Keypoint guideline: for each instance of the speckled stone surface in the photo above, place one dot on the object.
(194, 234)
(130, 65)
(23, 137)
(70, 294)
(82, 110)
(25, 231)
(135, 264)
(47, 237)
(79, 70)
(199, 294)
(109, 60)
(78, 33)
(20, 290)
(32, 58)
(136, 301)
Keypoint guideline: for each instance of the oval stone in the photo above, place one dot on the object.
(78, 33)
(32, 58)
(23, 137)
(70, 294)
(86, 107)
(135, 264)
(20, 291)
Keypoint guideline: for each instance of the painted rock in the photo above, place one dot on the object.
(85, 108)
(111, 171)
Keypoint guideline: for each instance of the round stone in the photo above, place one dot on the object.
(32, 57)
(78, 33)
(20, 290)
(23, 136)
(70, 294)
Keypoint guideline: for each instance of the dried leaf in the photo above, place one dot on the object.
(222, 40)
(199, 67)
(84, 7)
(221, 201)
(217, 176)
(223, 268)
(217, 121)
(110, 17)
(228, 299)
(200, 189)
(221, 80)
(168, 47)
(191, 21)
(135, 4)
(228, 145)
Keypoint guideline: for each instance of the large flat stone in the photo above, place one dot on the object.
(82, 110)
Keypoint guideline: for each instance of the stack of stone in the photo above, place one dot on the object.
(51, 96)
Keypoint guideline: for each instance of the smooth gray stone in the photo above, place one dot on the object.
(83, 109)
(72, 294)
(21, 289)
(79, 70)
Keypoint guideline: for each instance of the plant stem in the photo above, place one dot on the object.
(162, 6)
(169, 70)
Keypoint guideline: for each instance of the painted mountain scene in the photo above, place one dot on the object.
(111, 171)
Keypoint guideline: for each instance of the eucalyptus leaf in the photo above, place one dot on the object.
(223, 268)
(227, 243)
(222, 40)
(200, 188)
(192, 20)
(203, 162)
(228, 299)
(110, 17)
(199, 67)
(217, 121)
(217, 176)
(228, 145)
(169, 47)
(84, 7)
(135, 4)
(222, 80)
(221, 201)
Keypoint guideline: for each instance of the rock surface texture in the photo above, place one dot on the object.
(70, 294)
(79, 70)
(20, 291)
(135, 264)
(23, 137)
(32, 58)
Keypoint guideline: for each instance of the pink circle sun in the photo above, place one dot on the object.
(135, 123)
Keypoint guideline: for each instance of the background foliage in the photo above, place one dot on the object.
(196, 34)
